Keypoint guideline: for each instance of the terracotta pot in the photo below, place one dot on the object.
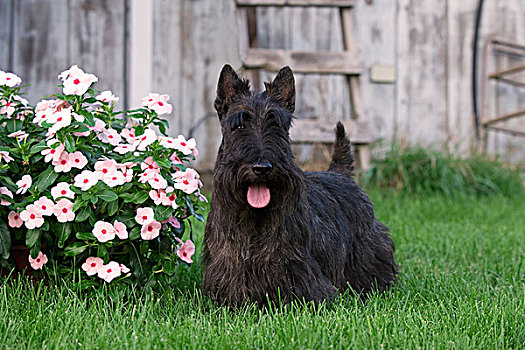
(20, 254)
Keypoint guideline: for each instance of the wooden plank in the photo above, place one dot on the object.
(508, 71)
(316, 131)
(505, 117)
(304, 62)
(298, 3)
(97, 32)
(40, 41)
(140, 51)
(514, 132)
(6, 18)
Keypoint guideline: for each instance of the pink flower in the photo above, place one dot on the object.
(86, 179)
(7, 107)
(167, 142)
(44, 105)
(24, 184)
(63, 210)
(42, 116)
(9, 79)
(20, 135)
(145, 139)
(123, 268)
(174, 222)
(169, 198)
(150, 165)
(120, 229)
(186, 147)
(63, 164)
(186, 251)
(5, 156)
(110, 271)
(128, 175)
(115, 178)
(158, 103)
(40, 260)
(6, 192)
(107, 96)
(92, 265)
(45, 206)
(129, 135)
(20, 99)
(62, 189)
(144, 215)
(187, 181)
(104, 231)
(158, 182)
(150, 230)
(156, 196)
(52, 154)
(106, 167)
(174, 159)
(77, 160)
(32, 217)
(124, 148)
(59, 119)
(99, 126)
(110, 136)
(14, 219)
(75, 81)
(146, 176)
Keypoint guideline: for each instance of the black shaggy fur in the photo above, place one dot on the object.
(318, 234)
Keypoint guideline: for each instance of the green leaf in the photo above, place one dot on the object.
(127, 197)
(5, 240)
(169, 267)
(139, 130)
(136, 261)
(34, 250)
(107, 195)
(81, 128)
(14, 125)
(46, 179)
(38, 147)
(94, 199)
(83, 214)
(75, 248)
(69, 143)
(103, 253)
(140, 197)
(79, 203)
(112, 207)
(85, 236)
(163, 212)
(32, 237)
(134, 233)
(63, 232)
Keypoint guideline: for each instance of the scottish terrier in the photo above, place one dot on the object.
(276, 233)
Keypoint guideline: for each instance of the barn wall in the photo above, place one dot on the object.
(428, 43)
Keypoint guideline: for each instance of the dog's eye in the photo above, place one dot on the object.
(238, 121)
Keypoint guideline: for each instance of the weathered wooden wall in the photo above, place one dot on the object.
(428, 43)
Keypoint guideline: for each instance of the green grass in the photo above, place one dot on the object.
(423, 170)
(462, 285)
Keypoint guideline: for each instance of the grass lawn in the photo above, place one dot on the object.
(462, 285)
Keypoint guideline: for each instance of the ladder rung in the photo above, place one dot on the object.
(298, 3)
(319, 62)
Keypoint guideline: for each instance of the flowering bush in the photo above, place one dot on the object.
(90, 189)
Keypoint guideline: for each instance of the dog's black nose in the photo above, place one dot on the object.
(262, 167)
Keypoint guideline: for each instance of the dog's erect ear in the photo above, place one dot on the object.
(229, 87)
(283, 88)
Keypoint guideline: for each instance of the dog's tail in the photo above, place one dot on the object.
(343, 157)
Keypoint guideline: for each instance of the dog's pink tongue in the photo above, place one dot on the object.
(258, 196)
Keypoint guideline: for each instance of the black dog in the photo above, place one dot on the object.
(277, 233)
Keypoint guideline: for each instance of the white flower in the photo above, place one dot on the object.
(124, 148)
(186, 147)
(45, 206)
(110, 136)
(104, 231)
(32, 217)
(86, 179)
(145, 139)
(9, 79)
(76, 82)
(4, 155)
(63, 164)
(110, 271)
(187, 181)
(92, 265)
(62, 189)
(107, 96)
(24, 184)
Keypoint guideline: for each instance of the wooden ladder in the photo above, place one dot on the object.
(347, 62)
